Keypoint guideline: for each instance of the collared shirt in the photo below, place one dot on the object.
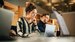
(27, 25)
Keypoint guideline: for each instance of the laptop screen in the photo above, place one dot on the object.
(5, 21)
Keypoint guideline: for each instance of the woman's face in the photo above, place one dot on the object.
(32, 14)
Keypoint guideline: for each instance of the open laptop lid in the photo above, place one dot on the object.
(5, 21)
(62, 23)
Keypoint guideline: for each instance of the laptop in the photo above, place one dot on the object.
(49, 31)
(61, 21)
(6, 17)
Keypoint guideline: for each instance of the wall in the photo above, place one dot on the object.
(18, 11)
(70, 21)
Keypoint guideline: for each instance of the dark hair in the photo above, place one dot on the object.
(37, 16)
(30, 7)
(1, 3)
(44, 14)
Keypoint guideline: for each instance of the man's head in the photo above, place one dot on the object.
(1, 3)
(30, 10)
(45, 17)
